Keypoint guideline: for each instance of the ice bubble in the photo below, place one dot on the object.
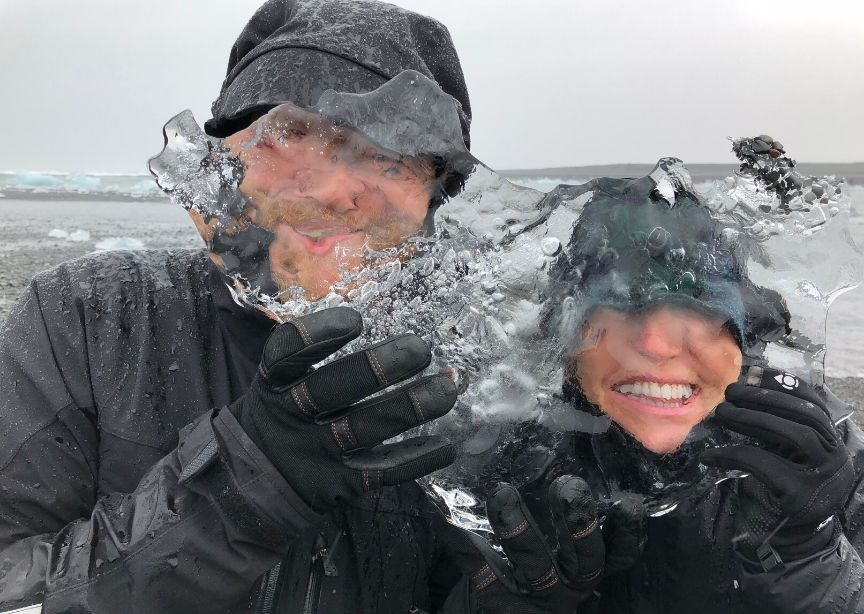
(333, 300)
(426, 266)
(808, 289)
(368, 289)
(550, 246)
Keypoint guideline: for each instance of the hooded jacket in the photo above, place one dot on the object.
(617, 257)
(688, 563)
(295, 50)
(126, 489)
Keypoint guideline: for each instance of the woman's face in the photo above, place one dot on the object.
(656, 373)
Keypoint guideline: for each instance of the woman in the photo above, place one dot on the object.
(661, 318)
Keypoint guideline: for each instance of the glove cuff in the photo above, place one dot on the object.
(788, 545)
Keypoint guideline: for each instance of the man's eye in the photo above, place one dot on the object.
(382, 161)
(291, 135)
(389, 166)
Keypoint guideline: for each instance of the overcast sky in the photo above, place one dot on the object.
(87, 84)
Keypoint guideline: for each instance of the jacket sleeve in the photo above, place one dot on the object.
(204, 523)
(831, 581)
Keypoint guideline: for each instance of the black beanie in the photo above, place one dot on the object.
(294, 50)
(635, 245)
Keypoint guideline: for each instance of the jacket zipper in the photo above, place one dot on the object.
(268, 590)
(321, 565)
(313, 585)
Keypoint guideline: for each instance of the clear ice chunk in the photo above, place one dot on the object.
(501, 280)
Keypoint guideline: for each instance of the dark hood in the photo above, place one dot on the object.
(294, 50)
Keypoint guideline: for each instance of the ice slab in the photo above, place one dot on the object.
(496, 277)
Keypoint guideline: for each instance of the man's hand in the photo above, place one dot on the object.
(537, 579)
(315, 426)
(801, 473)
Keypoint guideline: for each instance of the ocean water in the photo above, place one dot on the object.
(91, 212)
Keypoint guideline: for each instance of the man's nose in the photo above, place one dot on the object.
(660, 337)
(337, 188)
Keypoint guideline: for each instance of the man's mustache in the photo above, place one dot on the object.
(297, 214)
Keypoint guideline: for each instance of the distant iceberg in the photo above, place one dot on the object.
(33, 180)
(77, 236)
(116, 243)
(92, 186)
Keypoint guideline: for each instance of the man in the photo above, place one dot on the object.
(319, 201)
(277, 495)
(328, 195)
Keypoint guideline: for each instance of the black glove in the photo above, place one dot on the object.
(314, 425)
(801, 473)
(537, 579)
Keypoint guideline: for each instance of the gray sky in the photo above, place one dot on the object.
(87, 84)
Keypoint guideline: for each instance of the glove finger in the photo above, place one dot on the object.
(400, 462)
(786, 405)
(521, 539)
(796, 441)
(354, 377)
(384, 417)
(292, 348)
(624, 534)
(581, 552)
(781, 476)
(781, 381)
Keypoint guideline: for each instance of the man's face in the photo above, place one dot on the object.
(656, 373)
(329, 196)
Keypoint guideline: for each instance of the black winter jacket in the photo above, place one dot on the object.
(123, 488)
(104, 508)
(688, 564)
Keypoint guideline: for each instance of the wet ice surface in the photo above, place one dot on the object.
(795, 231)
(478, 288)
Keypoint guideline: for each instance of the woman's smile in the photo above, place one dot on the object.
(656, 373)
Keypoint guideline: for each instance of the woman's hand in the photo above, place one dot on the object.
(535, 579)
(801, 471)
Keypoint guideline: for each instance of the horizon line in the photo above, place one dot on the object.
(499, 170)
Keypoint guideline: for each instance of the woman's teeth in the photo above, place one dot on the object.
(676, 394)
